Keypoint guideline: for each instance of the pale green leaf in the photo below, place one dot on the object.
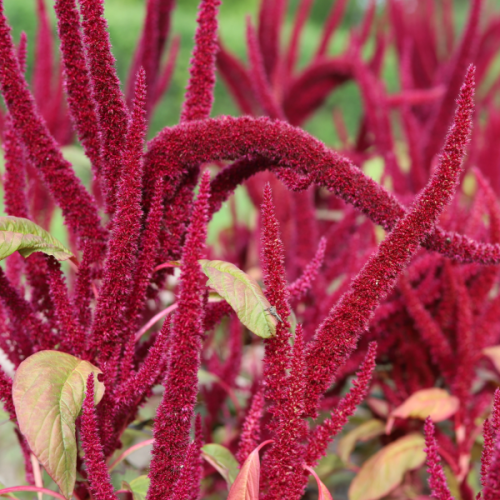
(222, 460)
(138, 487)
(26, 237)
(48, 393)
(364, 432)
(243, 294)
(385, 470)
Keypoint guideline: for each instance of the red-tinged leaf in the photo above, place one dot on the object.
(323, 493)
(435, 403)
(48, 393)
(386, 469)
(246, 484)
(366, 431)
(493, 354)
(243, 294)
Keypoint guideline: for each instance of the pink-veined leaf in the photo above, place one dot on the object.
(323, 493)
(385, 470)
(26, 237)
(246, 484)
(48, 393)
(434, 402)
(364, 432)
(243, 294)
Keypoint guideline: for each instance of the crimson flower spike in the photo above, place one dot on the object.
(15, 199)
(324, 433)
(175, 413)
(123, 245)
(43, 63)
(278, 351)
(337, 336)
(6, 394)
(146, 259)
(199, 94)
(302, 284)
(490, 460)
(437, 479)
(282, 464)
(111, 109)
(466, 51)
(97, 470)
(78, 208)
(188, 486)
(78, 88)
(22, 51)
(250, 433)
(261, 82)
(73, 335)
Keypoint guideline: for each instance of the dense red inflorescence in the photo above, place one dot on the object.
(401, 273)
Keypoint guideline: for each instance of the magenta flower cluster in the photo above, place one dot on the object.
(423, 303)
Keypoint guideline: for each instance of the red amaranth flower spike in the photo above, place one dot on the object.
(437, 479)
(72, 335)
(6, 394)
(111, 110)
(188, 486)
(199, 94)
(175, 413)
(324, 433)
(251, 431)
(302, 284)
(271, 16)
(178, 148)
(97, 470)
(78, 207)
(490, 461)
(464, 55)
(15, 200)
(282, 464)
(261, 84)
(337, 336)
(77, 80)
(428, 328)
(121, 260)
(146, 259)
(278, 351)
(43, 65)
(22, 52)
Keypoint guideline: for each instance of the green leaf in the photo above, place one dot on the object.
(27, 237)
(138, 487)
(243, 294)
(364, 432)
(386, 469)
(48, 393)
(223, 461)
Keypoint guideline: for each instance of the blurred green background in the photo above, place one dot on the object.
(125, 19)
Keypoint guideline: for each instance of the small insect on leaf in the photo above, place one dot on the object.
(272, 311)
